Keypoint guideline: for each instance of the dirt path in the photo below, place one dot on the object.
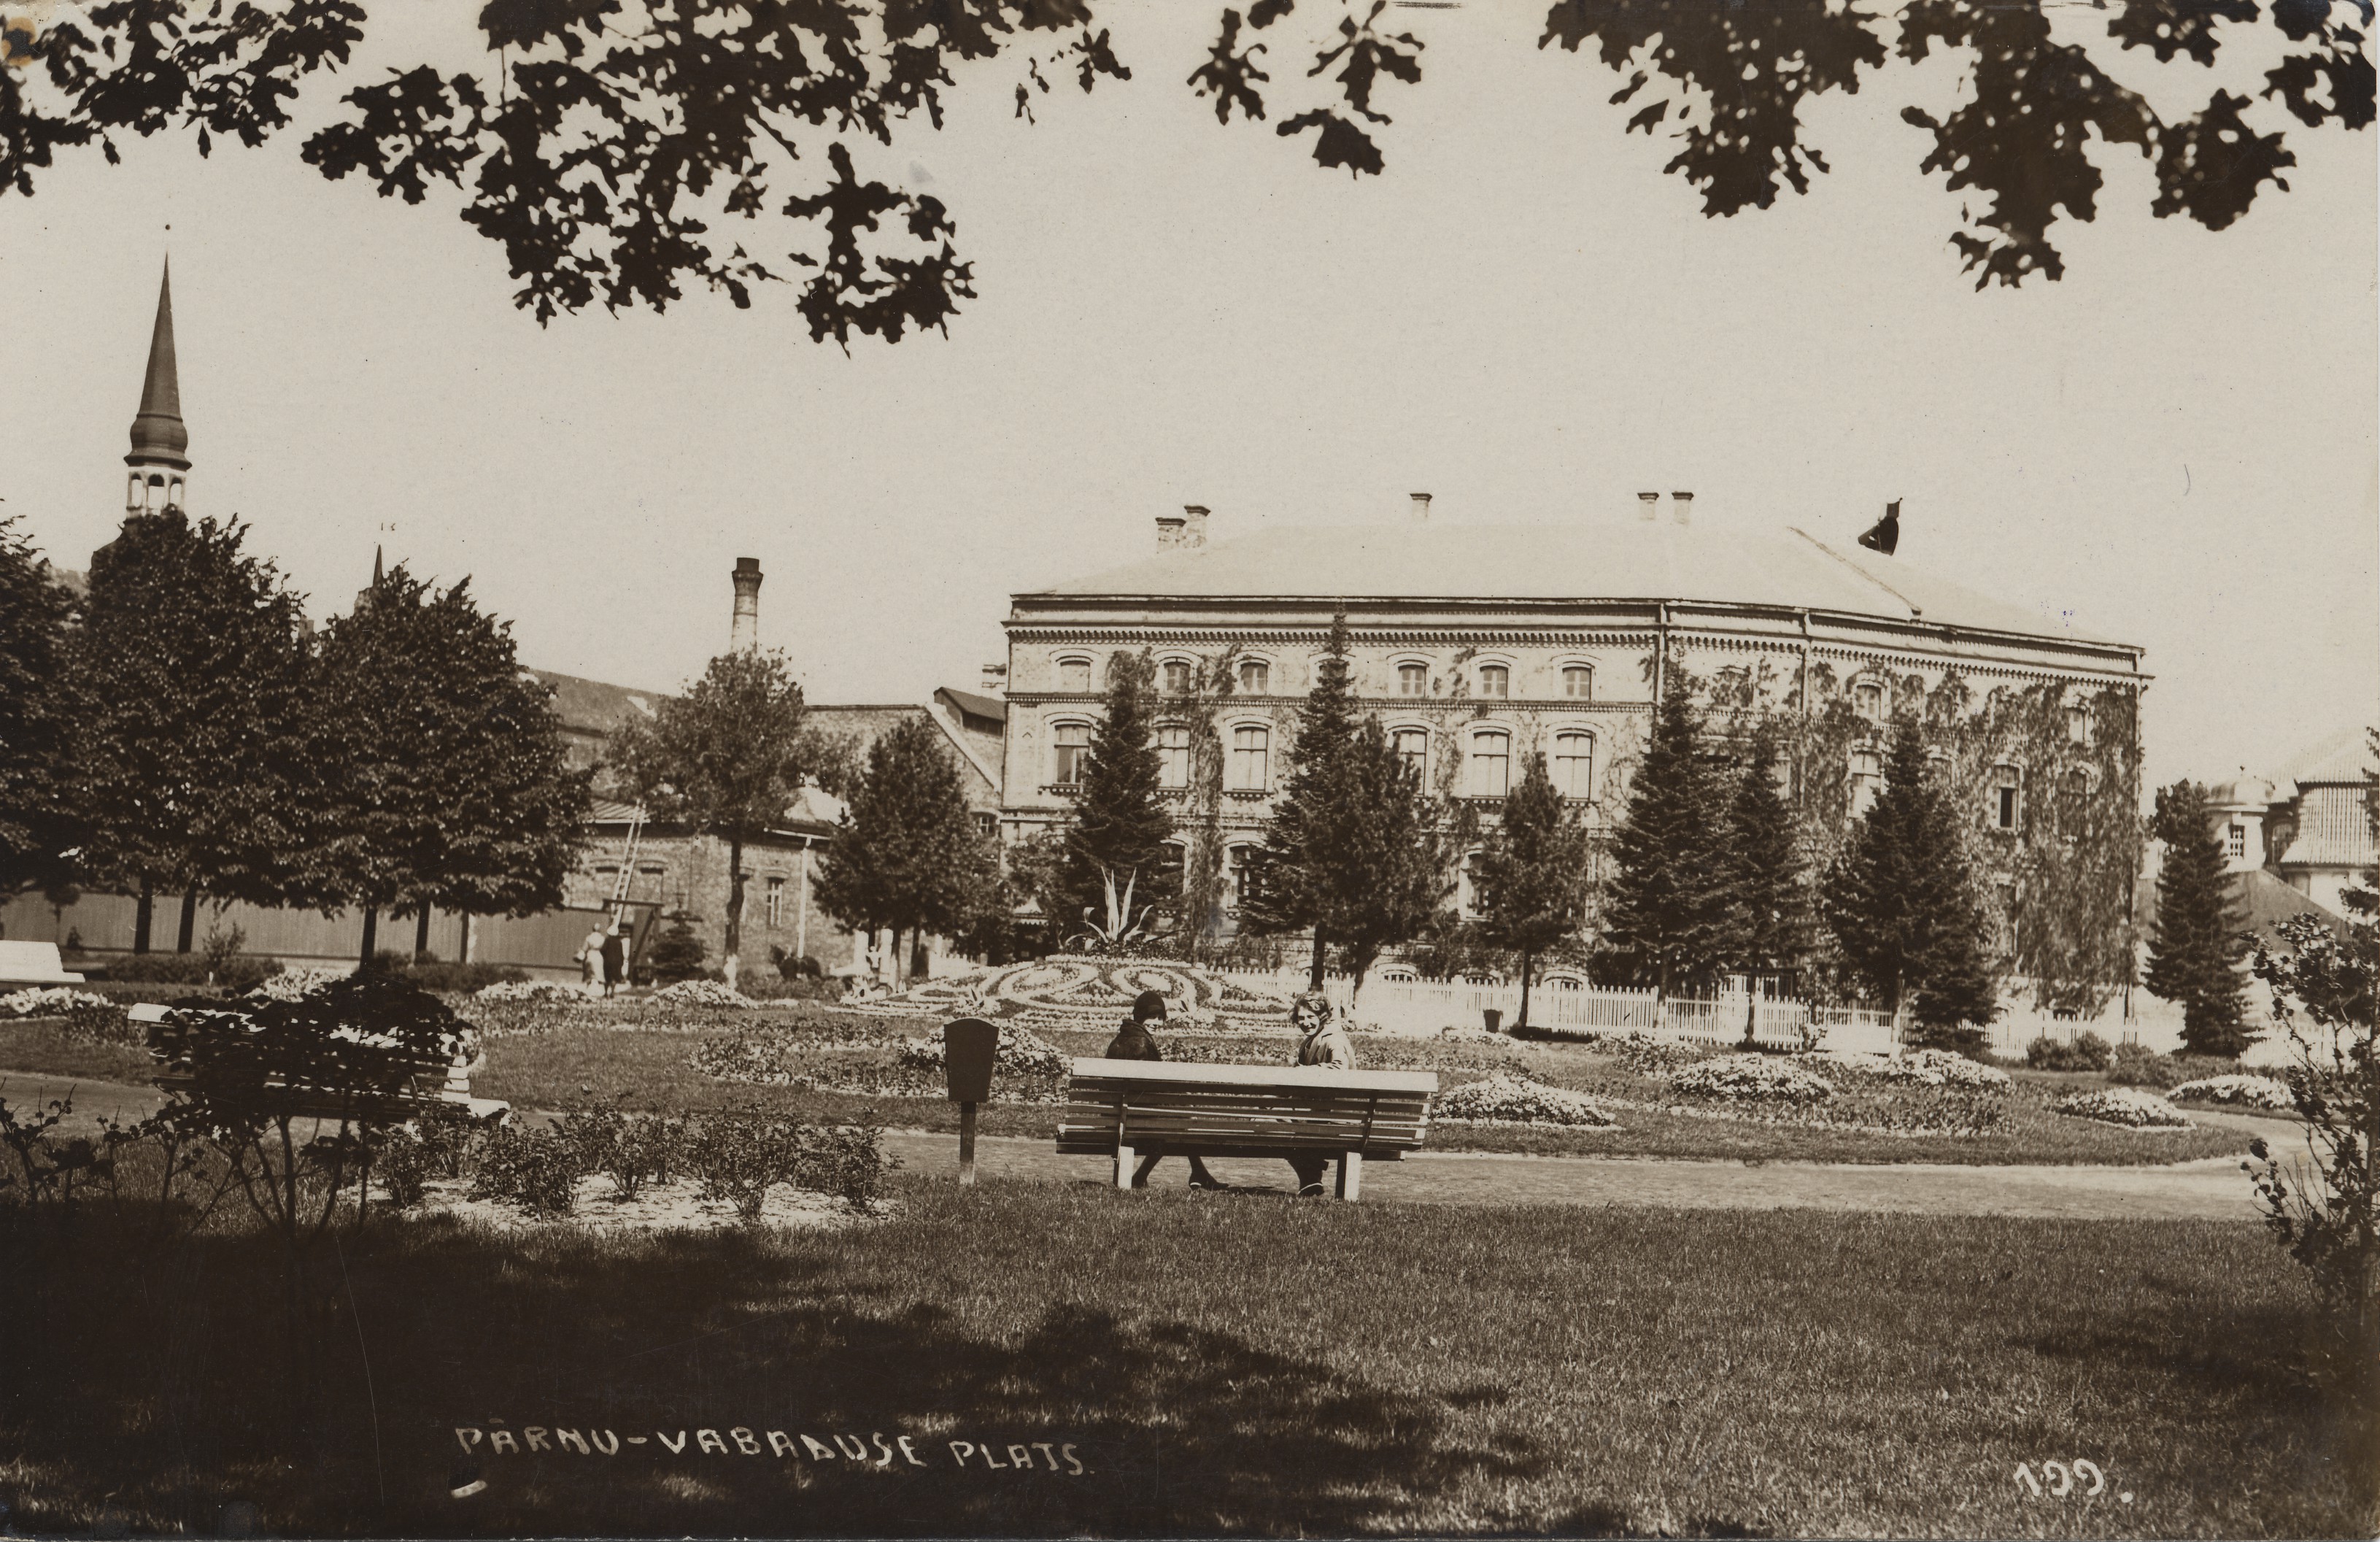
(2214, 1189)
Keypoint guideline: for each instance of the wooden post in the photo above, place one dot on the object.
(1351, 1174)
(1124, 1165)
(966, 1146)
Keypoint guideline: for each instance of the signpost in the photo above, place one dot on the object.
(968, 1046)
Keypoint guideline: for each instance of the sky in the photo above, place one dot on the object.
(2174, 446)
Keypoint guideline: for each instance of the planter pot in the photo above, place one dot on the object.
(1494, 1017)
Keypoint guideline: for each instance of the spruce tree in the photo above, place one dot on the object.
(187, 679)
(908, 857)
(1768, 881)
(1386, 874)
(1122, 825)
(2199, 942)
(1902, 904)
(38, 825)
(444, 779)
(1532, 877)
(1670, 905)
(1297, 876)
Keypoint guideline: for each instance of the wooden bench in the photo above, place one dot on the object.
(436, 1087)
(1136, 1108)
(34, 963)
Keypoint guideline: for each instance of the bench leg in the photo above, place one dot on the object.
(1123, 1166)
(1351, 1174)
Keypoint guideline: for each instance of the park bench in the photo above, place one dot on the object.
(435, 1085)
(1135, 1107)
(34, 963)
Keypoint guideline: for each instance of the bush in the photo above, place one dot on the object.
(631, 1151)
(2087, 1052)
(2238, 1092)
(2117, 1105)
(535, 1170)
(677, 954)
(235, 973)
(435, 975)
(2137, 1065)
(792, 968)
(739, 1158)
(790, 988)
(404, 1163)
(846, 1161)
(103, 1025)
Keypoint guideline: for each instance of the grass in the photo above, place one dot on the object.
(1218, 1363)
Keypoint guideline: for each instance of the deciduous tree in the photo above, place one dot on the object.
(37, 824)
(908, 857)
(1532, 878)
(2198, 946)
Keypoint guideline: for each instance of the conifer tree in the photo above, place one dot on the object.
(2198, 944)
(1670, 905)
(1121, 824)
(1387, 872)
(908, 857)
(1298, 874)
(1768, 881)
(726, 757)
(1901, 903)
(187, 679)
(1532, 877)
(37, 823)
(442, 773)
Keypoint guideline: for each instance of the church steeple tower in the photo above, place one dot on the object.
(160, 466)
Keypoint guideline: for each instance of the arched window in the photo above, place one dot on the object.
(1175, 677)
(1578, 683)
(1071, 742)
(1573, 765)
(1173, 755)
(1867, 780)
(1074, 675)
(1491, 764)
(1867, 700)
(1251, 758)
(2005, 787)
(2077, 723)
(1413, 679)
(1256, 678)
(1496, 681)
(1413, 749)
(1239, 864)
(1467, 886)
(132, 486)
(2074, 805)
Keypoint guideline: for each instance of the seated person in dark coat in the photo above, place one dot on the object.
(1134, 1041)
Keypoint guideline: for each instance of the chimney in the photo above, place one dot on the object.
(1169, 531)
(995, 680)
(746, 632)
(1193, 529)
(1420, 508)
(1683, 505)
(1648, 506)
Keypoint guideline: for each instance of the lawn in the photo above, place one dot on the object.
(1214, 1364)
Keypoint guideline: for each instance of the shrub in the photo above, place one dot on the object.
(2087, 1052)
(789, 966)
(2137, 1065)
(847, 1162)
(1518, 1100)
(763, 987)
(536, 1169)
(1750, 1078)
(435, 975)
(232, 972)
(739, 1158)
(103, 1025)
(2237, 1091)
(2126, 1106)
(404, 1163)
(632, 1151)
(701, 992)
(677, 954)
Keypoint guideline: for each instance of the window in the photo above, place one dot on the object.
(2007, 917)
(2237, 842)
(2077, 725)
(1495, 680)
(1413, 679)
(1241, 860)
(1251, 752)
(1867, 700)
(1256, 678)
(776, 901)
(1074, 742)
(1466, 896)
(987, 821)
(1413, 749)
(1177, 677)
(2004, 791)
(1867, 780)
(1174, 756)
(1074, 674)
(2074, 803)
(1578, 683)
(1573, 766)
(1491, 764)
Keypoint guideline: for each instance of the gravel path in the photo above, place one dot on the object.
(2213, 1189)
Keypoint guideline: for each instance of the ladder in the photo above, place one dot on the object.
(627, 866)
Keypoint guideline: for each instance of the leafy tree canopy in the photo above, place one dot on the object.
(908, 857)
(621, 150)
(37, 826)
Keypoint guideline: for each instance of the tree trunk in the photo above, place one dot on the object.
(371, 931)
(142, 915)
(189, 921)
(421, 933)
(731, 963)
(1321, 957)
(1527, 959)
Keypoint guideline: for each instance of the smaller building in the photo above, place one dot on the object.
(2319, 827)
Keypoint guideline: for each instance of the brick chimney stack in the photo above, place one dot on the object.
(1648, 506)
(1420, 507)
(1683, 505)
(746, 631)
(995, 680)
(1169, 531)
(1194, 525)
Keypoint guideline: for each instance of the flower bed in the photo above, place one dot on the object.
(1924, 1067)
(2123, 1105)
(1021, 1051)
(702, 993)
(293, 984)
(1648, 1056)
(531, 990)
(2261, 1093)
(1750, 1078)
(48, 1001)
(1509, 1099)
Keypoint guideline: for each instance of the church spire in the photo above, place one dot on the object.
(159, 439)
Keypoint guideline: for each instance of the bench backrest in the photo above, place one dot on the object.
(34, 963)
(1160, 1106)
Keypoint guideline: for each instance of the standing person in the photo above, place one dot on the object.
(1134, 1041)
(591, 960)
(1322, 1041)
(615, 958)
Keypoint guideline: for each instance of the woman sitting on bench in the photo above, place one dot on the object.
(1134, 1041)
(1322, 1041)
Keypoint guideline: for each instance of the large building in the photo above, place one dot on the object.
(1478, 644)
